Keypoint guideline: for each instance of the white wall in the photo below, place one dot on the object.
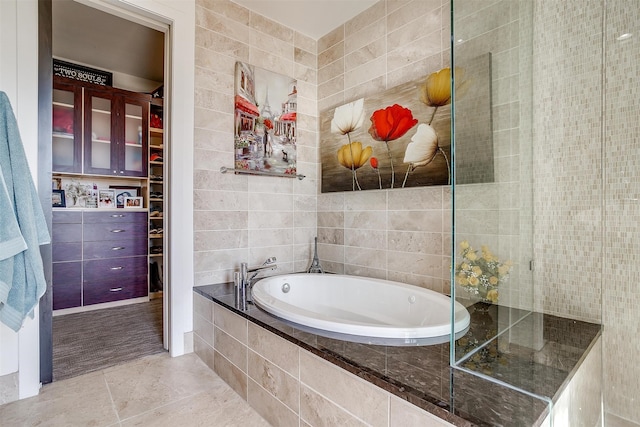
(18, 78)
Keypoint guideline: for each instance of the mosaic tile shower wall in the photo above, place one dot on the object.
(568, 158)
(586, 163)
(621, 293)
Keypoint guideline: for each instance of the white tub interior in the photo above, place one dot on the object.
(372, 309)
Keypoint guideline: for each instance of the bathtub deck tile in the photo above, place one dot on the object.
(421, 375)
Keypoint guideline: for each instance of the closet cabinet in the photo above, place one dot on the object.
(66, 249)
(66, 141)
(99, 130)
(98, 257)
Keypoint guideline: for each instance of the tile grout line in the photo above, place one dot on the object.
(113, 403)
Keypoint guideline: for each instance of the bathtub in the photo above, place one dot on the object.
(360, 309)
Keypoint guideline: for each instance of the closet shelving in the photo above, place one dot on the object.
(156, 198)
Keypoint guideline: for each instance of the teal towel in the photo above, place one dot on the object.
(22, 227)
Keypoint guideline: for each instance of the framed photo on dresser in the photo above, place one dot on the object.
(123, 191)
(106, 198)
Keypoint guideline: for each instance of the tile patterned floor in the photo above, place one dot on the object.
(153, 391)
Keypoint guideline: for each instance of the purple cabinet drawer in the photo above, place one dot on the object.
(115, 217)
(67, 285)
(115, 248)
(66, 251)
(61, 217)
(63, 233)
(108, 290)
(121, 269)
(110, 231)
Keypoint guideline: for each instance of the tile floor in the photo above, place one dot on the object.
(153, 391)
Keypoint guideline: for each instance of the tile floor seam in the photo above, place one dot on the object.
(159, 407)
(113, 403)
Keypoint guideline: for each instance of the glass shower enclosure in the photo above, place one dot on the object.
(520, 349)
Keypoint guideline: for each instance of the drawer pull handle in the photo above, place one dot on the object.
(115, 289)
(119, 230)
(117, 268)
(117, 248)
(117, 216)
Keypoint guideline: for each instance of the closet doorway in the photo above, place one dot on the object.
(109, 275)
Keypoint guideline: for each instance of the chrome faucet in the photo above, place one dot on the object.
(248, 274)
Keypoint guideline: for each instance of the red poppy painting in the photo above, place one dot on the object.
(401, 137)
(389, 140)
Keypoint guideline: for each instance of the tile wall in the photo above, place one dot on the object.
(499, 214)
(287, 385)
(568, 157)
(620, 290)
(402, 234)
(399, 235)
(239, 218)
(586, 160)
(405, 234)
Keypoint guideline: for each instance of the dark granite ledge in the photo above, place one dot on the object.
(549, 349)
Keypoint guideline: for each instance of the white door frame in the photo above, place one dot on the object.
(177, 19)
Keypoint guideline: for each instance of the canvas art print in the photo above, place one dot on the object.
(402, 137)
(398, 138)
(265, 120)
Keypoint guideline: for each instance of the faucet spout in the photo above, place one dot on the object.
(246, 278)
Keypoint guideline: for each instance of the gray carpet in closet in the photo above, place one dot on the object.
(94, 340)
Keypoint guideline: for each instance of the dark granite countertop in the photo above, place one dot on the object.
(538, 356)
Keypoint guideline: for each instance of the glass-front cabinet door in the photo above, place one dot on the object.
(132, 147)
(100, 150)
(66, 143)
(115, 134)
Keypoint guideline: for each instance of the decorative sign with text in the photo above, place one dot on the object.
(81, 73)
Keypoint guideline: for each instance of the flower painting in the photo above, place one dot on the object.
(402, 138)
(395, 139)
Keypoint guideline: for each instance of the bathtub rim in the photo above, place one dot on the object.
(371, 334)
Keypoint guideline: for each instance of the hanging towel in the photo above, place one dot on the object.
(22, 227)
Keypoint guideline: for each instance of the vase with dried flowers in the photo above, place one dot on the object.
(481, 274)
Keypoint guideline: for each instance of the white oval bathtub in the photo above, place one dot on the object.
(360, 306)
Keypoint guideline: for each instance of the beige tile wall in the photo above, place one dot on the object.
(399, 235)
(568, 158)
(620, 292)
(396, 234)
(240, 218)
(289, 386)
(402, 234)
(405, 234)
(586, 162)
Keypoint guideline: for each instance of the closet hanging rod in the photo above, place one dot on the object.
(255, 172)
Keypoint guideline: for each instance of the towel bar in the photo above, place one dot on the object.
(255, 172)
